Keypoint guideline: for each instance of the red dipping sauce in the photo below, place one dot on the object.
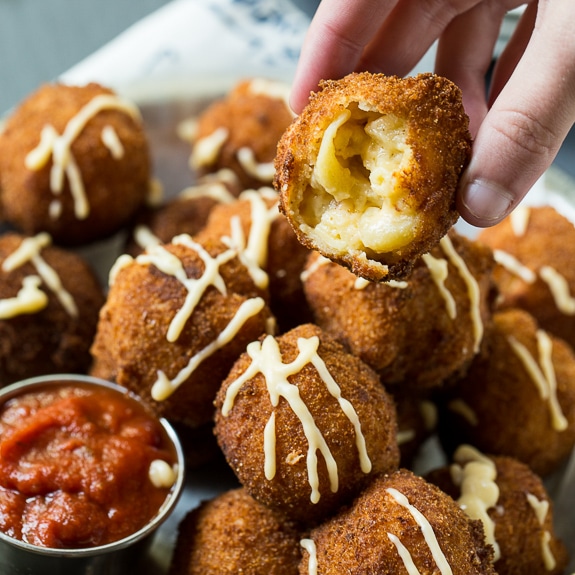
(75, 465)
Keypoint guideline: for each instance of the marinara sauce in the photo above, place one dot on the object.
(75, 466)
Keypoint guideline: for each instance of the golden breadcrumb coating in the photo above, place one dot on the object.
(522, 518)
(282, 256)
(145, 299)
(517, 398)
(378, 534)
(105, 160)
(53, 339)
(241, 130)
(541, 277)
(301, 405)
(415, 333)
(232, 534)
(368, 172)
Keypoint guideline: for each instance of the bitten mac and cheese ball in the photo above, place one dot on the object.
(367, 174)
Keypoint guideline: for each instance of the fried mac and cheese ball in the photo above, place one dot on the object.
(415, 333)
(233, 533)
(75, 162)
(512, 503)
(304, 424)
(176, 318)
(368, 172)
(240, 131)
(400, 524)
(269, 241)
(534, 248)
(517, 398)
(50, 298)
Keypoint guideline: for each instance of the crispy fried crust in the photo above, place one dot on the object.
(232, 534)
(285, 257)
(357, 540)
(548, 240)
(418, 126)
(241, 433)
(51, 340)
(404, 331)
(518, 531)
(506, 414)
(409, 136)
(252, 120)
(131, 344)
(115, 188)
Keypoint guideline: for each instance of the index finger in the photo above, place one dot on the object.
(335, 41)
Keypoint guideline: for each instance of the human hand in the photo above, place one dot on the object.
(518, 127)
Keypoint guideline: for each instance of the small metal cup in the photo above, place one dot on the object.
(117, 558)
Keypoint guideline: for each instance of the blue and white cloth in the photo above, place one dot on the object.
(197, 45)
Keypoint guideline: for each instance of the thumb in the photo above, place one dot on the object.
(523, 131)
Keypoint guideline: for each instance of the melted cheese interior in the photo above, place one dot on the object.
(356, 203)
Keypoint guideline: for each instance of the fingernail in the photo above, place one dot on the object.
(486, 201)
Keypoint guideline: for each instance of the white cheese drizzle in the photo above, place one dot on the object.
(30, 250)
(309, 546)
(124, 260)
(542, 374)
(145, 238)
(254, 253)
(206, 149)
(162, 474)
(559, 288)
(426, 530)
(519, 219)
(267, 360)
(164, 387)
(360, 283)
(262, 171)
(438, 269)
(556, 282)
(464, 409)
(58, 147)
(111, 140)
(214, 190)
(171, 265)
(187, 129)
(476, 474)
(472, 287)
(29, 299)
(514, 266)
(541, 508)
(271, 89)
(405, 555)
